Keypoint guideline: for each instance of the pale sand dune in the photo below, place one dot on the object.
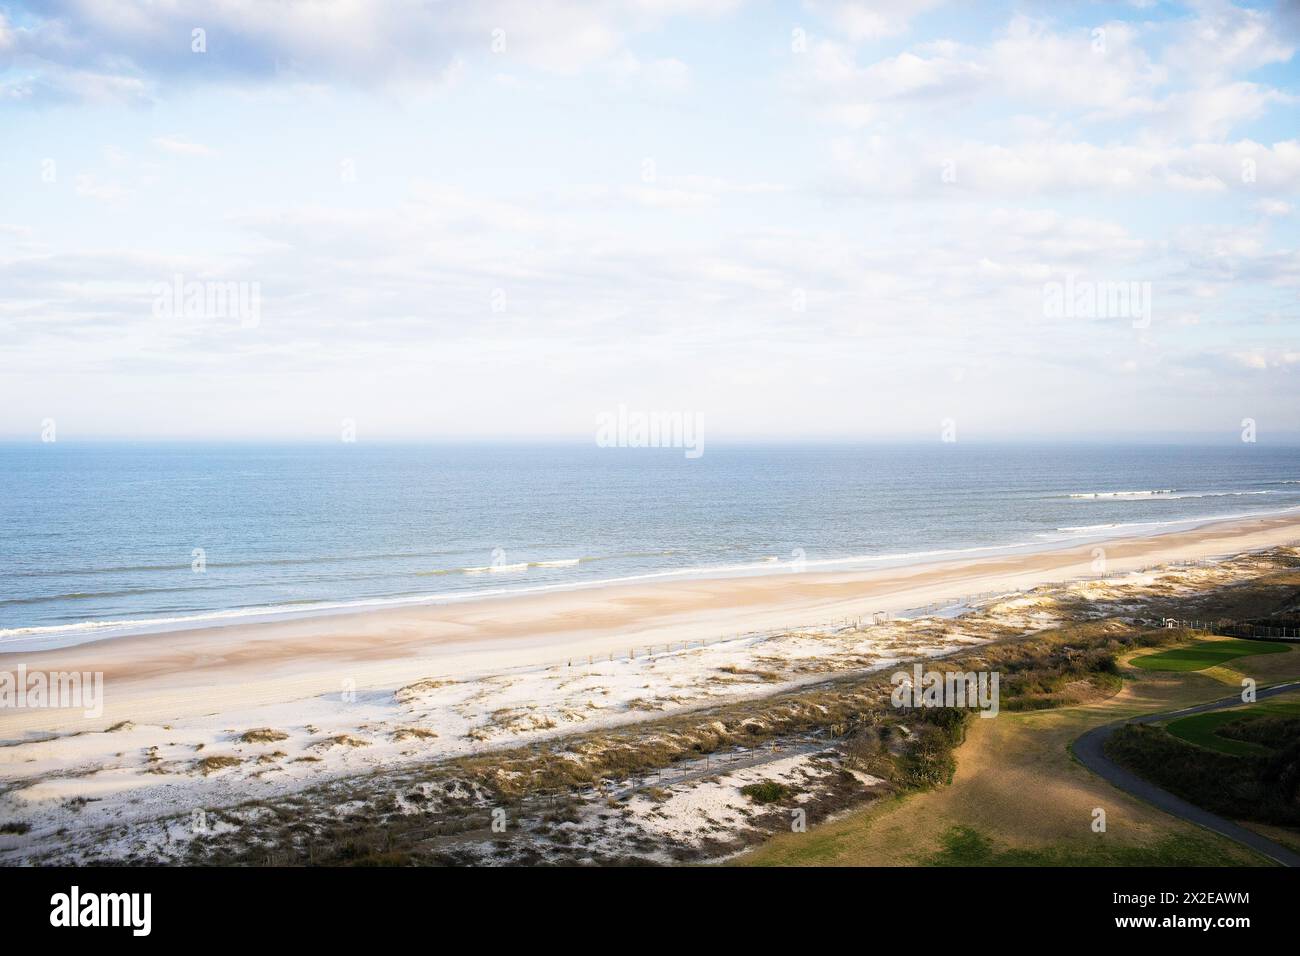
(165, 676)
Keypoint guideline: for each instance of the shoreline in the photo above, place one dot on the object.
(161, 676)
(36, 638)
(240, 716)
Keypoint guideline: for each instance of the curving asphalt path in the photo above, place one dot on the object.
(1090, 749)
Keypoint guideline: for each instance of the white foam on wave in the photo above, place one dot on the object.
(45, 637)
(1087, 529)
(1224, 494)
(1123, 494)
(498, 568)
(1171, 494)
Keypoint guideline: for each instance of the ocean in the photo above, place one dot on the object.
(102, 539)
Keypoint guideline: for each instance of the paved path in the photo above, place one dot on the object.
(1090, 749)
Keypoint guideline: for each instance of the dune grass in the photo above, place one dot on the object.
(1207, 653)
(769, 791)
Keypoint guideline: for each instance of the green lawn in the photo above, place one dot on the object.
(1205, 654)
(1201, 729)
(967, 846)
(1277, 707)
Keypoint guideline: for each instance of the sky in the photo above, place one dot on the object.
(504, 219)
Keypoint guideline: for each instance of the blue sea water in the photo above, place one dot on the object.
(100, 539)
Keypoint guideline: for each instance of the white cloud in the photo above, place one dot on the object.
(1098, 75)
(871, 19)
(884, 167)
(668, 74)
(130, 49)
(1262, 359)
(1103, 69)
(843, 92)
(1272, 207)
(1224, 39)
(1211, 112)
(92, 188)
(182, 147)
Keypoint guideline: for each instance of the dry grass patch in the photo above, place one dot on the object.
(210, 765)
(411, 691)
(413, 733)
(262, 735)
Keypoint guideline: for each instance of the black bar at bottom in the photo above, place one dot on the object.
(946, 905)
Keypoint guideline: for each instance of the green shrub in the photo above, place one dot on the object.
(769, 791)
(1239, 787)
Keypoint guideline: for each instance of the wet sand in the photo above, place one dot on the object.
(203, 671)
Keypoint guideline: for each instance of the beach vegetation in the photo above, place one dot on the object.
(262, 735)
(766, 791)
(210, 765)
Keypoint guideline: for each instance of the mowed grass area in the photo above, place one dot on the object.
(1018, 797)
(965, 846)
(1201, 729)
(1206, 653)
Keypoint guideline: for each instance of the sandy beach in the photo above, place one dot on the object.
(166, 676)
(201, 720)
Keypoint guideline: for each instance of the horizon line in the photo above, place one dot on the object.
(1286, 438)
